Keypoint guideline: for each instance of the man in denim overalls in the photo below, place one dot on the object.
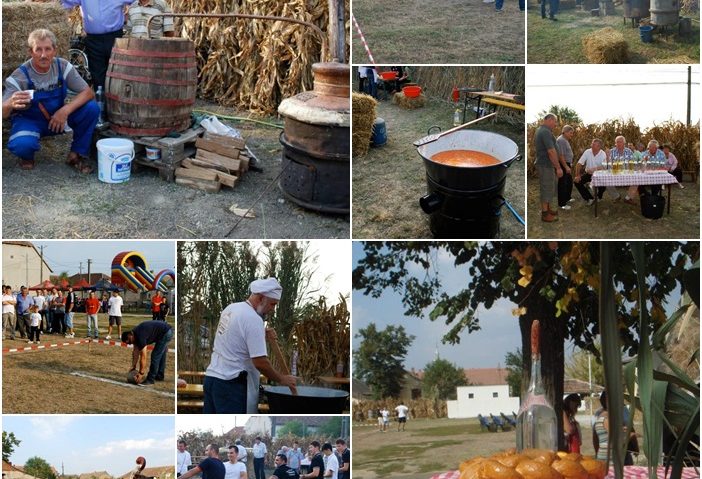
(35, 97)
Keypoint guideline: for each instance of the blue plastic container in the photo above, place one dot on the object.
(646, 33)
(380, 135)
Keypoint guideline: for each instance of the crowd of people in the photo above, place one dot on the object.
(370, 81)
(53, 312)
(558, 174)
(321, 461)
(401, 412)
(35, 93)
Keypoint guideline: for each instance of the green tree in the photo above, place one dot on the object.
(331, 428)
(515, 368)
(38, 467)
(555, 282)
(441, 378)
(576, 367)
(9, 441)
(294, 428)
(379, 359)
(565, 114)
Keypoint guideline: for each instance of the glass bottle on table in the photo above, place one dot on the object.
(536, 422)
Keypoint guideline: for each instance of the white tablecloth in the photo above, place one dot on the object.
(607, 178)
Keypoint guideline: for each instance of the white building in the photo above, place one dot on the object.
(485, 400)
(22, 265)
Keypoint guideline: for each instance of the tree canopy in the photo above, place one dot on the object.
(379, 359)
(441, 378)
(38, 467)
(294, 428)
(515, 366)
(9, 441)
(566, 115)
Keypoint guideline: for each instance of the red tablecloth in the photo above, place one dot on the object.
(630, 472)
(606, 178)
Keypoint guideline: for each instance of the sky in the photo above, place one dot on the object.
(486, 348)
(67, 255)
(605, 92)
(218, 424)
(93, 443)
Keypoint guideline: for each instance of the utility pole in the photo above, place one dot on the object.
(26, 270)
(689, 95)
(89, 261)
(41, 263)
(80, 269)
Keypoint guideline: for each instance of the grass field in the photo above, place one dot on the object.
(430, 446)
(439, 32)
(617, 219)
(389, 180)
(67, 380)
(561, 41)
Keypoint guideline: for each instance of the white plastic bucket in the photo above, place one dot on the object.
(115, 157)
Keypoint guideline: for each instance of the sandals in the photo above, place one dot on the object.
(79, 163)
(27, 164)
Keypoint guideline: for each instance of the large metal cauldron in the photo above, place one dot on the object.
(309, 400)
(636, 8)
(665, 12)
(316, 142)
(465, 202)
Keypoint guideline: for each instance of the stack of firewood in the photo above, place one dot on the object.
(220, 160)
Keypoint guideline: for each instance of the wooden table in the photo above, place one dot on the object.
(191, 391)
(472, 94)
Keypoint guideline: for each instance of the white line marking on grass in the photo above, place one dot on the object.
(125, 384)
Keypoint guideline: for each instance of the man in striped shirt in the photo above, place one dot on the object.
(138, 16)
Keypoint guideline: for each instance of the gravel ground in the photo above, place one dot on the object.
(55, 201)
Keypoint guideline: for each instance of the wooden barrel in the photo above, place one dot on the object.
(150, 86)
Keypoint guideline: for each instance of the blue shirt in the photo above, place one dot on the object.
(212, 468)
(23, 304)
(614, 154)
(659, 157)
(100, 16)
(149, 332)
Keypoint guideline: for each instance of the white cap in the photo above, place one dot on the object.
(269, 287)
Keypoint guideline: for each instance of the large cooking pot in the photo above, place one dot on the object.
(470, 178)
(465, 202)
(309, 400)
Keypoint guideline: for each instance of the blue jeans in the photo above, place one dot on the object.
(157, 368)
(498, 4)
(93, 325)
(258, 468)
(224, 397)
(552, 8)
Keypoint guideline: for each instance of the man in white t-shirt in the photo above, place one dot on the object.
(243, 455)
(331, 463)
(239, 354)
(40, 301)
(234, 469)
(9, 319)
(184, 459)
(114, 313)
(401, 416)
(385, 414)
(591, 160)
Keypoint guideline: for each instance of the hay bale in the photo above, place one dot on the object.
(681, 59)
(407, 103)
(19, 19)
(606, 46)
(362, 117)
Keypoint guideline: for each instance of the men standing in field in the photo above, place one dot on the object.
(259, 453)
(35, 99)
(70, 306)
(565, 158)
(183, 459)
(139, 14)
(401, 416)
(92, 306)
(345, 454)
(547, 166)
(234, 469)
(157, 333)
(295, 456)
(210, 467)
(114, 314)
(243, 455)
(156, 302)
(24, 301)
(103, 22)
(331, 466)
(282, 470)
(239, 354)
(8, 311)
(316, 463)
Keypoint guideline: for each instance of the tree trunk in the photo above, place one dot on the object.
(552, 340)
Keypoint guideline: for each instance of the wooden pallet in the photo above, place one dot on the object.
(173, 150)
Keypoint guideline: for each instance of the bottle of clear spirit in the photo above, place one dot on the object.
(536, 422)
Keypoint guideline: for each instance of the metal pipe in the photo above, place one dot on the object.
(325, 51)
